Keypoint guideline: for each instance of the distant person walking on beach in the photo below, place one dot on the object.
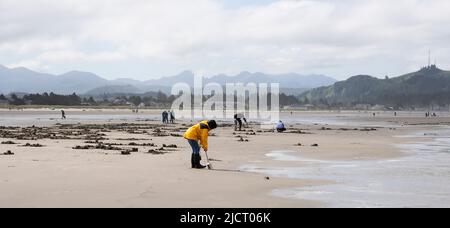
(63, 115)
(165, 117)
(194, 135)
(172, 117)
(280, 127)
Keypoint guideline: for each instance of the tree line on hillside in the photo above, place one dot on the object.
(429, 87)
(42, 99)
(164, 100)
(159, 99)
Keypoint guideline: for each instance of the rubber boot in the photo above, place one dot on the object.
(197, 162)
(193, 163)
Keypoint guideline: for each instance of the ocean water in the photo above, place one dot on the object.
(420, 179)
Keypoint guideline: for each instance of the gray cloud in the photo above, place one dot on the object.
(162, 37)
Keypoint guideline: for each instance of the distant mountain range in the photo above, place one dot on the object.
(426, 87)
(24, 80)
(429, 86)
(27, 81)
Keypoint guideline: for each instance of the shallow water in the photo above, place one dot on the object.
(47, 119)
(421, 179)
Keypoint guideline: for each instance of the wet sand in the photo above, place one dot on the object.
(94, 163)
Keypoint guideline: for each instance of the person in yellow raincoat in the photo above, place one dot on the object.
(194, 135)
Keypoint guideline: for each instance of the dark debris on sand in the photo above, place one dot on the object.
(241, 139)
(88, 132)
(125, 152)
(33, 145)
(300, 132)
(95, 135)
(99, 146)
(142, 144)
(8, 153)
(170, 146)
(157, 152)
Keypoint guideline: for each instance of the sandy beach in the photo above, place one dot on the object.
(130, 160)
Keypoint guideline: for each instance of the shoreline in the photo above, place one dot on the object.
(352, 184)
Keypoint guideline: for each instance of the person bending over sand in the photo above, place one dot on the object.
(237, 122)
(280, 127)
(196, 133)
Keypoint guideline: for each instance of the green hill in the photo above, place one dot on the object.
(429, 86)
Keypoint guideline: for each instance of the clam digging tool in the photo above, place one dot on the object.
(207, 159)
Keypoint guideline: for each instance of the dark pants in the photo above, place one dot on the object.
(236, 123)
(195, 146)
(280, 130)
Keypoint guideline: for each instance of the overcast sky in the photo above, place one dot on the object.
(145, 39)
